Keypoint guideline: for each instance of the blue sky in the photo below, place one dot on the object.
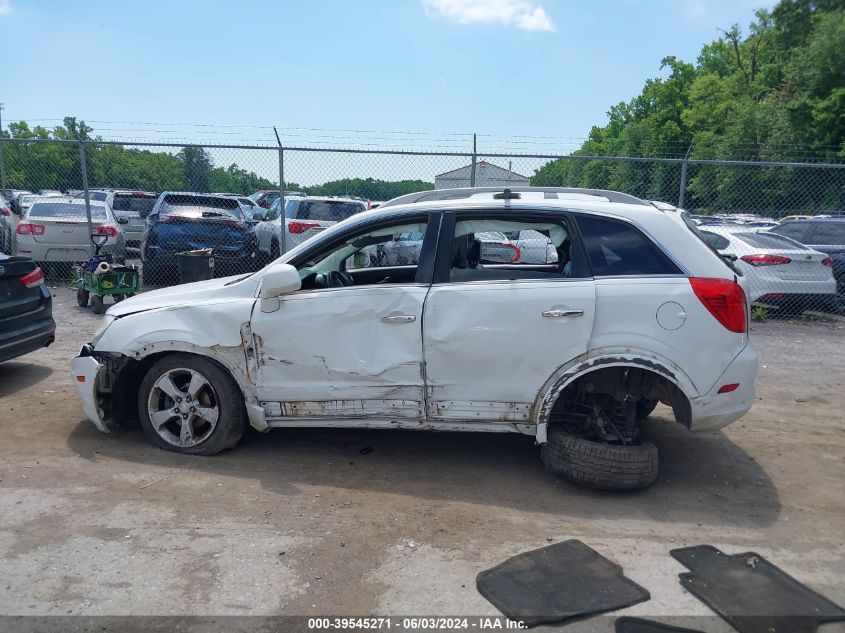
(499, 67)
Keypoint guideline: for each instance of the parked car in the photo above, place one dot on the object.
(266, 197)
(780, 271)
(26, 308)
(130, 205)
(12, 197)
(573, 355)
(305, 218)
(792, 218)
(184, 221)
(826, 235)
(8, 222)
(56, 230)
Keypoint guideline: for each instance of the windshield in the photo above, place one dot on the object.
(770, 240)
(187, 206)
(61, 210)
(134, 203)
(321, 210)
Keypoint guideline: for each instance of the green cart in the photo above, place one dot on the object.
(119, 283)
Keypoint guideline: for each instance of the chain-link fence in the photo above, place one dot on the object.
(147, 205)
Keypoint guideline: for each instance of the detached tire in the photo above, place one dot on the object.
(599, 465)
(189, 404)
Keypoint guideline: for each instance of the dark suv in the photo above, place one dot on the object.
(826, 235)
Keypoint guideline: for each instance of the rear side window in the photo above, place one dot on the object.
(831, 233)
(796, 230)
(617, 248)
(764, 240)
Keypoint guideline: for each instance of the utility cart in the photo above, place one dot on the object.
(95, 283)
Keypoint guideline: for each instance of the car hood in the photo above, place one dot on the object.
(185, 295)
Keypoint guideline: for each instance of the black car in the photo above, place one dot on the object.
(826, 235)
(26, 308)
(182, 222)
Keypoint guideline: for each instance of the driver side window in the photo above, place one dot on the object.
(385, 254)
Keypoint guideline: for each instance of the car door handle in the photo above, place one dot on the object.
(554, 314)
(399, 318)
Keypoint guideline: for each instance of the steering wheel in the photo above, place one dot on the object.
(340, 278)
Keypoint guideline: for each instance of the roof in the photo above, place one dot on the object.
(549, 193)
(837, 220)
(479, 164)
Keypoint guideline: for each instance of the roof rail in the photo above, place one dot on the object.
(465, 192)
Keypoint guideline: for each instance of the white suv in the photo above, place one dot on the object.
(635, 310)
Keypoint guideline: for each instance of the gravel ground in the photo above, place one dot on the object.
(303, 522)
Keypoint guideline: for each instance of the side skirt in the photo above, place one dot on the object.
(414, 425)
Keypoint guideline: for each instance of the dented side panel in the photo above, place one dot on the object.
(488, 347)
(328, 353)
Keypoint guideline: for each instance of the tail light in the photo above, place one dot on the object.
(827, 261)
(724, 299)
(6, 212)
(26, 228)
(300, 227)
(765, 260)
(107, 230)
(517, 253)
(33, 279)
(728, 388)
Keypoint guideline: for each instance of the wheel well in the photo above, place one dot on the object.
(125, 375)
(617, 384)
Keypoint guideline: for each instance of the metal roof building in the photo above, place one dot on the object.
(486, 175)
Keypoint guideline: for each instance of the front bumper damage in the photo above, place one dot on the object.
(85, 370)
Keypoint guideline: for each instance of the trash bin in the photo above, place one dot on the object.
(195, 265)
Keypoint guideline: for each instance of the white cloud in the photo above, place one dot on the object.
(5, 7)
(524, 14)
(695, 9)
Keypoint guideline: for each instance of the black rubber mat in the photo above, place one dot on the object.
(558, 582)
(638, 625)
(753, 595)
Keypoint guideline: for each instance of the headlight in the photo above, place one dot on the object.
(101, 329)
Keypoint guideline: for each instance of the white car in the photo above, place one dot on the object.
(56, 230)
(574, 353)
(305, 217)
(779, 270)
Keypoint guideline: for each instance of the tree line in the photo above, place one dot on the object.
(39, 165)
(775, 93)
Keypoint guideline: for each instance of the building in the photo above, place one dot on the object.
(486, 175)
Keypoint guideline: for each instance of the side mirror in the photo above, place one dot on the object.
(731, 258)
(258, 216)
(279, 279)
(152, 219)
(123, 220)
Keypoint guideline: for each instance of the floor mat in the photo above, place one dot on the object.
(753, 595)
(561, 581)
(638, 625)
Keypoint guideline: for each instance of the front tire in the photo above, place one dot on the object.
(599, 465)
(188, 404)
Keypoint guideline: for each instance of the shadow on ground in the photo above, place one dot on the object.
(704, 478)
(16, 376)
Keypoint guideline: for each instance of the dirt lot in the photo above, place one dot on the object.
(303, 522)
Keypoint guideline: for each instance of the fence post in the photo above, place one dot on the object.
(474, 158)
(683, 189)
(283, 218)
(2, 161)
(83, 166)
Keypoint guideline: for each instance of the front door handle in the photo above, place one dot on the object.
(399, 318)
(554, 314)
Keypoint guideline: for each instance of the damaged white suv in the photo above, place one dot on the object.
(633, 309)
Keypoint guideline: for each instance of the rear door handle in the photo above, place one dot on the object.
(555, 314)
(399, 318)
